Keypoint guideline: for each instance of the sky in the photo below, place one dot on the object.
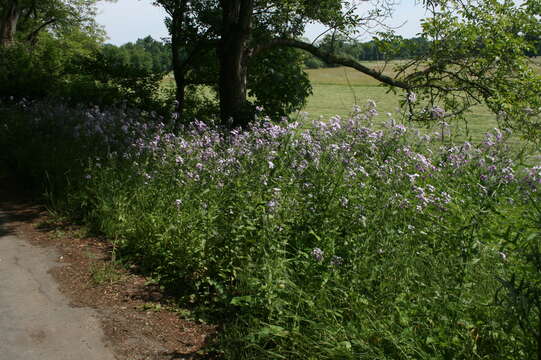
(129, 20)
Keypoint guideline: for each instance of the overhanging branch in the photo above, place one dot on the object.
(34, 34)
(330, 58)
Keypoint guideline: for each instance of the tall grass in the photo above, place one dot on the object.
(329, 241)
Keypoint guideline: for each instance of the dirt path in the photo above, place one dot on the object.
(36, 319)
(61, 297)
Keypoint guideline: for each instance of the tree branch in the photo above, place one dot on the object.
(33, 35)
(330, 58)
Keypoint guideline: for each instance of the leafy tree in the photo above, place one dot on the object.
(478, 55)
(44, 69)
(278, 82)
(24, 19)
(227, 35)
(469, 52)
(55, 52)
(249, 28)
(40, 42)
(192, 26)
(148, 54)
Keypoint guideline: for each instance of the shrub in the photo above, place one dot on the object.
(53, 69)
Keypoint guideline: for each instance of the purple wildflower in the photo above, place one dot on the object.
(437, 112)
(318, 254)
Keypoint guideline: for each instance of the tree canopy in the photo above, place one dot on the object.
(25, 19)
(469, 52)
(478, 55)
(147, 53)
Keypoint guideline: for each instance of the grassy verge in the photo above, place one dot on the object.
(330, 241)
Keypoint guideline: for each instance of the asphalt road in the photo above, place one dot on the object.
(36, 320)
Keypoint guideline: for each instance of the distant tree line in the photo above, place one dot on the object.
(145, 54)
(395, 48)
(155, 56)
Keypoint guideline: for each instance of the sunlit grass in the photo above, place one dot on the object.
(348, 76)
(336, 90)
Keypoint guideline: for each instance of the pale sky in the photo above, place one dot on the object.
(129, 20)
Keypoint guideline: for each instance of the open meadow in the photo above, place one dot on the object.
(336, 90)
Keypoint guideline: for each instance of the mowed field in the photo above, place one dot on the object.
(337, 90)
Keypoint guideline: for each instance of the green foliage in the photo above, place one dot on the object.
(323, 242)
(520, 295)
(72, 68)
(145, 54)
(201, 102)
(24, 73)
(278, 82)
(478, 55)
(40, 70)
(107, 82)
(312, 62)
(56, 17)
(65, 60)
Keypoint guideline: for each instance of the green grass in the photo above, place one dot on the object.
(336, 90)
(349, 76)
(338, 243)
(105, 273)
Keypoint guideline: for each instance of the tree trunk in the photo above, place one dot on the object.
(180, 83)
(8, 23)
(178, 12)
(233, 56)
(178, 66)
(180, 92)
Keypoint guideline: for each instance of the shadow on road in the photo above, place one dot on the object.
(16, 205)
(4, 230)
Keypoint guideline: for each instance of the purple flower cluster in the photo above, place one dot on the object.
(318, 254)
(393, 159)
(533, 178)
